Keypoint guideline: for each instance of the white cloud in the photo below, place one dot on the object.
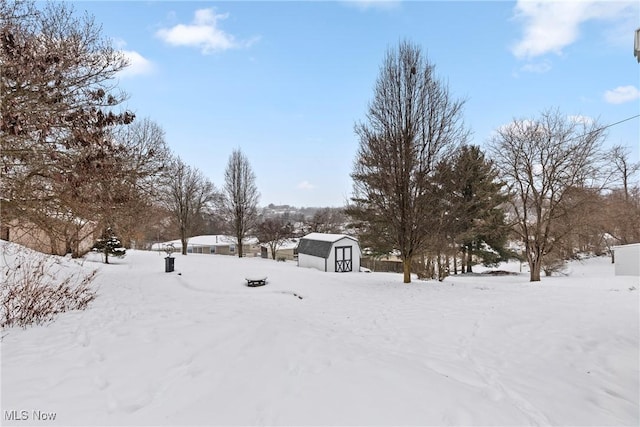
(584, 120)
(138, 64)
(204, 33)
(305, 185)
(622, 94)
(550, 26)
(373, 4)
(539, 67)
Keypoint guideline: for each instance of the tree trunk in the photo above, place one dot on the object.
(239, 246)
(534, 256)
(534, 267)
(463, 260)
(447, 264)
(455, 263)
(183, 240)
(430, 268)
(441, 273)
(406, 268)
(469, 261)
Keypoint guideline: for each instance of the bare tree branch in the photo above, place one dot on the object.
(412, 121)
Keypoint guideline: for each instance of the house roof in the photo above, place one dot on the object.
(287, 244)
(206, 240)
(320, 244)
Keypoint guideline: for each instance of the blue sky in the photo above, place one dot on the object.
(286, 81)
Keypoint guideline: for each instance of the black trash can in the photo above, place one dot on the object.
(169, 264)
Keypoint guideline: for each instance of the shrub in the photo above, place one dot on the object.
(37, 287)
(109, 245)
(553, 263)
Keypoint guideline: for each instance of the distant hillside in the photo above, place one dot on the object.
(272, 210)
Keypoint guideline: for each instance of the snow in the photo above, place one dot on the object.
(199, 347)
(286, 244)
(326, 237)
(205, 240)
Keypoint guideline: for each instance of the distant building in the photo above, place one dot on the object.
(214, 244)
(627, 260)
(288, 250)
(75, 237)
(329, 252)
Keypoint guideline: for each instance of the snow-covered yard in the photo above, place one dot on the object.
(198, 347)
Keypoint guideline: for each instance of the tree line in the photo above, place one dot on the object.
(422, 191)
(75, 162)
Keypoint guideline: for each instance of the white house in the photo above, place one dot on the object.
(213, 244)
(627, 260)
(329, 252)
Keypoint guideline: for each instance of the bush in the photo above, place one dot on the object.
(109, 245)
(37, 287)
(553, 263)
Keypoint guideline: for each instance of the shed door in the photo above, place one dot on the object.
(343, 259)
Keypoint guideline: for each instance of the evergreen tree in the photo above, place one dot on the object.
(475, 198)
(109, 244)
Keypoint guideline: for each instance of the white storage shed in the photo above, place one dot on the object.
(627, 260)
(329, 252)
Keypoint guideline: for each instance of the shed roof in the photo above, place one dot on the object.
(320, 244)
(327, 237)
(630, 245)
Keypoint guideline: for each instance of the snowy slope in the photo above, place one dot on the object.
(314, 348)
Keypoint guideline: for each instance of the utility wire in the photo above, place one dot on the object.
(604, 127)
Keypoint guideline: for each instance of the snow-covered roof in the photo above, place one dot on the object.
(206, 240)
(327, 237)
(630, 245)
(287, 244)
(320, 244)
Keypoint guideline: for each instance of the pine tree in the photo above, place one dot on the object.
(476, 219)
(109, 244)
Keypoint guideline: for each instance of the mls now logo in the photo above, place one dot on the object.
(16, 415)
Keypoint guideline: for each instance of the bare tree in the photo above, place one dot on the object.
(326, 220)
(274, 232)
(412, 121)
(144, 157)
(622, 204)
(113, 187)
(623, 168)
(58, 105)
(189, 194)
(240, 202)
(543, 161)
